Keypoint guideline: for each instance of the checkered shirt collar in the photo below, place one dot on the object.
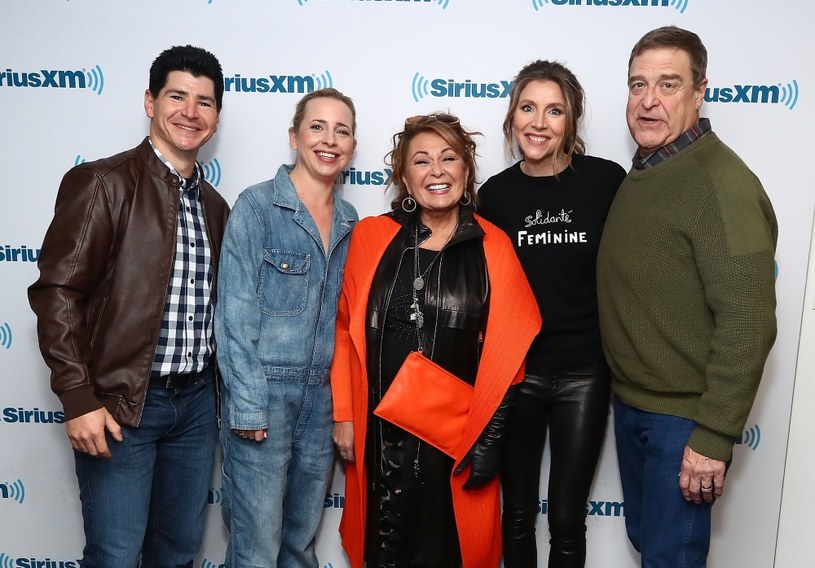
(684, 140)
(192, 186)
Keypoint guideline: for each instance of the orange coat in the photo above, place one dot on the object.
(513, 322)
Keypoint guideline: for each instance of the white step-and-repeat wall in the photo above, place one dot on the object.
(72, 77)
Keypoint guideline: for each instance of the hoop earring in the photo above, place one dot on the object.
(465, 199)
(409, 204)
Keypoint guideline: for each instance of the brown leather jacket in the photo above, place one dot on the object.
(105, 267)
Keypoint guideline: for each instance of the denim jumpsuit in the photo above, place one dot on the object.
(274, 326)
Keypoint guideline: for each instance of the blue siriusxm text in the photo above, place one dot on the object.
(786, 95)
(469, 89)
(54, 78)
(593, 508)
(19, 254)
(33, 562)
(648, 3)
(92, 79)
(353, 176)
(278, 83)
(20, 415)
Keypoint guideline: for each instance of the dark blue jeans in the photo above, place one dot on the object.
(147, 501)
(573, 405)
(668, 531)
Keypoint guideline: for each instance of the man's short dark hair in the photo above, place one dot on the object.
(194, 60)
(674, 37)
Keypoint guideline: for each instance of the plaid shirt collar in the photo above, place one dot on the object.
(186, 185)
(684, 140)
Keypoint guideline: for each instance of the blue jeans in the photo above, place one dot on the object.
(667, 530)
(274, 491)
(148, 500)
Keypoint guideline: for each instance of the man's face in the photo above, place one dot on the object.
(183, 116)
(662, 101)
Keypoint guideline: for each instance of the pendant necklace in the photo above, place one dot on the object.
(417, 316)
(418, 279)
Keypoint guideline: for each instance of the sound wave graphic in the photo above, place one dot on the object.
(96, 79)
(418, 87)
(329, 565)
(16, 491)
(680, 5)
(6, 561)
(324, 80)
(443, 4)
(207, 564)
(79, 160)
(751, 437)
(789, 94)
(212, 172)
(538, 4)
(6, 336)
(301, 2)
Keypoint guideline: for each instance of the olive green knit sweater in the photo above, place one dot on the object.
(686, 291)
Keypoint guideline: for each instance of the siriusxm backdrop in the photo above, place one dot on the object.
(72, 77)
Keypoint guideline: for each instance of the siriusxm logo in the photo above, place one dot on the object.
(680, 5)
(21, 254)
(354, 176)
(7, 561)
(421, 87)
(92, 79)
(14, 490)
(787, 94)
(212, 172)
(751, 437)
(278, 83)
(442, 3)
(6, 336)
(593, 508)
(205, 563)
(335, 501)
(20, 415)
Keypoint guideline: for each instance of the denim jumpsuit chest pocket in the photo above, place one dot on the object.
(284, 282)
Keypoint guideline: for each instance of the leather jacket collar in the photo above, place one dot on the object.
(468, 227)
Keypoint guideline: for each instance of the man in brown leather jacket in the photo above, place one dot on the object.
(124, 306)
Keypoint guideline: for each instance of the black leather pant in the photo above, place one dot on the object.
(573, 403)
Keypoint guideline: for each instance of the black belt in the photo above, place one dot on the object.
(181, 381)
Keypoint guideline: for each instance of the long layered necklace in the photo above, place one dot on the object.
(418, 315)
(419, 282)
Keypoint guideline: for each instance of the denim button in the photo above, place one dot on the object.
(285, 266)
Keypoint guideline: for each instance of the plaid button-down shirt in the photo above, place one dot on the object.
(186, 340)
(683, 141)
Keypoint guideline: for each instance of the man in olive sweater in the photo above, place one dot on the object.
(687, 302)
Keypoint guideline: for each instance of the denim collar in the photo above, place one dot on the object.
(684, 140)
(285, 195)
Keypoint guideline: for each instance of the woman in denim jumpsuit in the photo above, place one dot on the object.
(280, 275)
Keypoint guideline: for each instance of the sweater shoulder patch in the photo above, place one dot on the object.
(746, 214)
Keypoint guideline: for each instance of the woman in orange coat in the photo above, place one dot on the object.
(431, 277)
